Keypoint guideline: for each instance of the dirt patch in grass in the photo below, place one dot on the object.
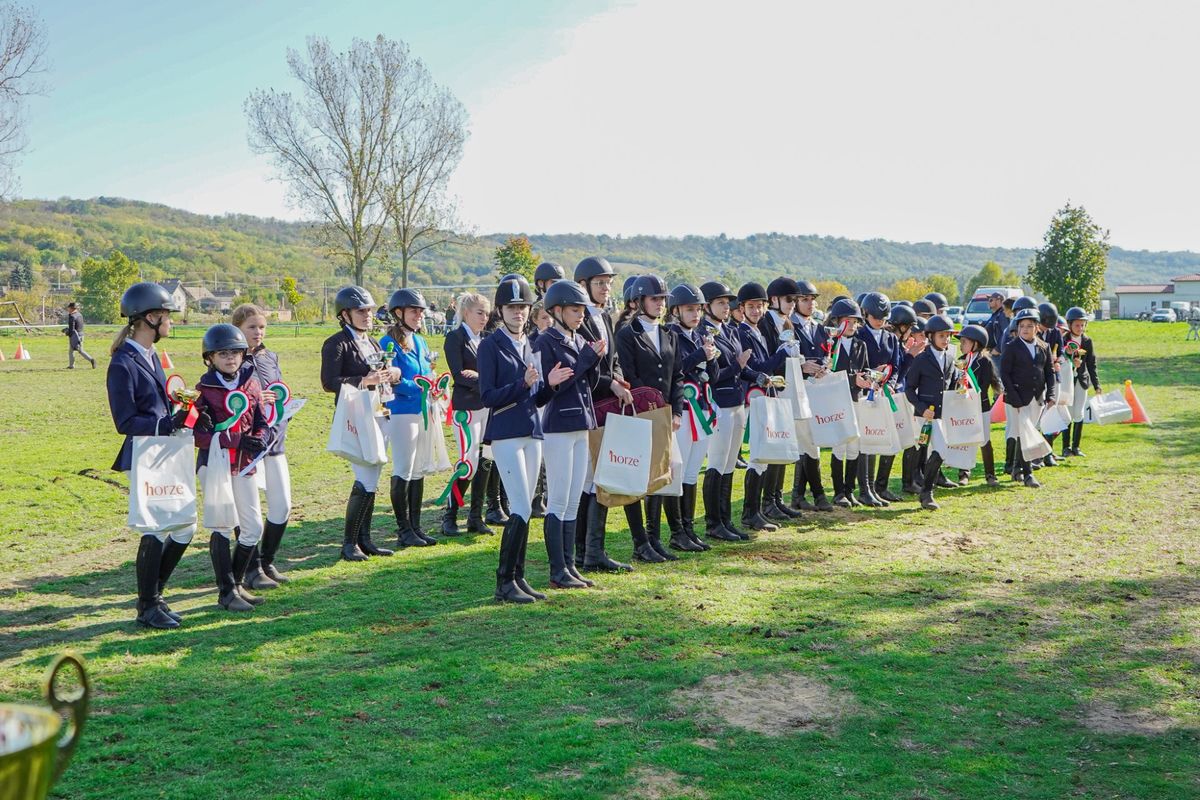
(655, 784)
(1106, 718)
(773, 705)
(938, 544)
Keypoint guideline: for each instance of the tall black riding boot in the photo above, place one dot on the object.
(1009, 446)
(840, 497)
(450, 515)
(241, 560)
(560, 578)
(595, 559)
(687, 512)
(654, 513)
(227, 594)
(569, 539)
(495, 514)
(1014, 468)
(909, 482)
(866, 492)
(521, 582)
(582, 514)
(256, 578)
(932, 468)
(799, 485)
(1049, 460)
(416, 495)
(779, 473)
(725, 499)
(1076, 435)
(507, 589)
(356, 506)
(364, 531)
(479, 482)
(405, 535)
(812, 473)
(989, 464)
(713, 524)
(752, 516)
(539, 494)
(172, 552)
(883, 474)
(269, 549)
(148, 568)
(766, 505)
(642, 550)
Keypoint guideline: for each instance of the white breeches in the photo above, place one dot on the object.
(403, 431)
(278, 487)
(519, 461)
(566, 470)
(367, 475)
(726, 441)
(693, 453)
(1079, 404)
(249, 509)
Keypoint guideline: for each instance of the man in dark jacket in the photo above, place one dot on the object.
(74, 332)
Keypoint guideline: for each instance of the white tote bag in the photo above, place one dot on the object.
(623, 466)
(675, 487)
(370, 434)
(343, 435)
(955, 456)
(902, 418)
(162, 483)
(804, 438)
(1055, 419)
(432, 456)
(833, 421)
(772, 431)
(795, 392)
(962, 418)
(876, 427)
(1033, 443)
(220, 513)
(1105, 409)
(1066, 383)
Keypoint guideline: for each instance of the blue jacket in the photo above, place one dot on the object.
(137, 399)
(570, 405)
(411, 363)
(812, 342)
(926, 380)
(1027, 379)
(886, 353)
(761, 359)
(514, 406)
(729, 381)
(996, 325)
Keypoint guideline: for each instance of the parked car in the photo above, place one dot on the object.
(1163, 315)
(955, 313)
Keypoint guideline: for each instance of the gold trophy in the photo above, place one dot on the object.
(32, 756)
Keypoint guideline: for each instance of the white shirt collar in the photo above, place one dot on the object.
(471, 335)
(145, 353)
(228, 383)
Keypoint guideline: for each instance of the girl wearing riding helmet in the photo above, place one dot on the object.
(138, 401)
(567, 418)
(1049, 333)
(1027, 372)
(931, 374)
(346, 359)
(243, 433)
(698, 364)
(410, 355)
(910, 331)
(1010, 420)
(1079, 347)
(512, 387)
(811, 338)
(778, 331)
(649, 356)
(883, 355)
(728, 384)
(261, 572)
(752, 299)
(977, 362)
(847, 354)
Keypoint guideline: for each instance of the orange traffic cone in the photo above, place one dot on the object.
(1139, 413)
(165, 360)
(22, 354)
(998, 415)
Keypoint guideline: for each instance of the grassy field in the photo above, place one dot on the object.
(1017, 643)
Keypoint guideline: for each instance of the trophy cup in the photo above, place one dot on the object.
(31, 756)
(377, 360)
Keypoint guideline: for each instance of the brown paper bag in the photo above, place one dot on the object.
(660, 457)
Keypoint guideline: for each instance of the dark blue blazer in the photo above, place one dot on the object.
(812, 347)
(570, 405)
(996, 325)
(692, 359)
(853, 362)
(886, 353)
(642, 365)
(766, 326)
(728, 380)
(610, 368)
(137, 398)
(926, 380)
(1027, 379)
(762, 359)
(514, 409)
(460, 355)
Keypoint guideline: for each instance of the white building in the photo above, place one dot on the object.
(1147, 298)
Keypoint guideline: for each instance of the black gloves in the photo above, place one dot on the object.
(252, 445)
(177, 419)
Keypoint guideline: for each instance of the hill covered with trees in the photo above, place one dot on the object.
(252, 255)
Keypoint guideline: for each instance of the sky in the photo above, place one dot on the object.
(963, 123)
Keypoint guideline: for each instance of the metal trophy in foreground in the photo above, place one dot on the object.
(32, 755)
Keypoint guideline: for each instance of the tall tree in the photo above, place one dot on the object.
(908, 289)
(516, 255)
(1069, 266)
(334, 143)
(990, 274)
(423, 156)
(828, 290)
(22, 60)
(291, 295)
(944, 284)
(102, 283)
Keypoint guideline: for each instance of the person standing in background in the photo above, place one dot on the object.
(74, 332)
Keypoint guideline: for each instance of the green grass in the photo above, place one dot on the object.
(979, 647)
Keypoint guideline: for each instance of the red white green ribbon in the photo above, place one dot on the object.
(887, 392)
(751, 393)
(464, 468)
(696, 415)
(236, 403)
(969, 381)
(282, 395)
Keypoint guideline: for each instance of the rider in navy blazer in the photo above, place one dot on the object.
(131, 376)
(569, 406)
(502, 389)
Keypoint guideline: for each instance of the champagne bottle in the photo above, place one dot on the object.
(925, 434)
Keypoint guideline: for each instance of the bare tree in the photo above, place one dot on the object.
(22, 61)
(332, 145)
(423, 157)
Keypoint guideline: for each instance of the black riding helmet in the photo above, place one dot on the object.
(938, 323)
(513, 290)
(807, 287)
(876, 304)
(1047, 315)
(591, 267)
(351, 297)
(627, 288)
(901, 315)
(976, 333)
(564, 293)
(685, 295)
(406, 298)
(751, 291)
(1022, 303)
(1074, 313)
(782, 287)
(923, 306)
(548, 271)
(142, 298)
(938, 299)
(648, 286)
(715, 289)
(841, 309)
(223, 336)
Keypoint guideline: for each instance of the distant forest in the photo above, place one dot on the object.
(251, 255)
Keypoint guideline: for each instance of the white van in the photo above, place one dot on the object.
(977, 311)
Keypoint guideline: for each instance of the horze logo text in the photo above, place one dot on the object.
(838, 417)
(350, 427)
(956, 422)
(773, 434)
(629, 461)
(163, 489)
(873, 431)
